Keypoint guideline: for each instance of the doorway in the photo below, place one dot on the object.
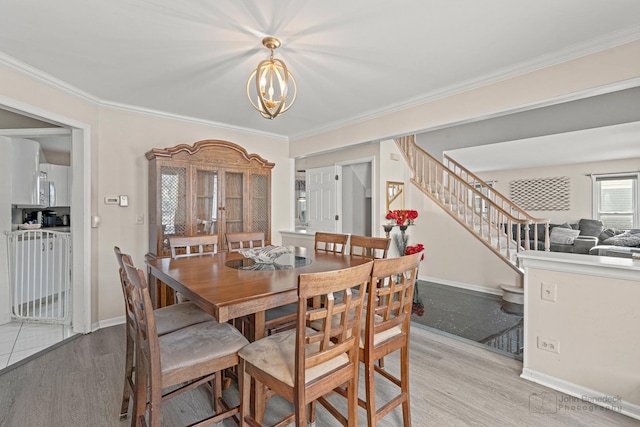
(79, 134)
(340, 198)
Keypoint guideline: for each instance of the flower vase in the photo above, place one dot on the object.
(417, 307)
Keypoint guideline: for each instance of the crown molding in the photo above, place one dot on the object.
(611, 40)
(619, 38)
(56, 83)
(46, 78)
(192, 120)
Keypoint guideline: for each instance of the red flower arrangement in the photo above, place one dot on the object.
(402, 215)
(414, 250)
(417, 307)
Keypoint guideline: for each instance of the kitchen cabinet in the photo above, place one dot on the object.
(25, 183)
(212, 187)
(59, 176)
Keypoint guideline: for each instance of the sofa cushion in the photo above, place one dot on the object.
(564, 236)
(625, 239)
(606, 233)
(590, 227)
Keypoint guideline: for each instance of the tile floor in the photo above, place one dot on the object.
(19, 340)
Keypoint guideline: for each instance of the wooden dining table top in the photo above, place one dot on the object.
(228, 293)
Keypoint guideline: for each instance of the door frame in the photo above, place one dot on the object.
(80, 206)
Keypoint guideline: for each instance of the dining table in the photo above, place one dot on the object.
(228, 285)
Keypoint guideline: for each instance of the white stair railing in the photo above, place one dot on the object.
(486, 213)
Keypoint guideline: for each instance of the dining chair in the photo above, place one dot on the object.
(182, 246)
(331, 242)
(369, 247)
(386, 330)
(304, 364)
(168, 319)
(239, 241)
(181, 360)
(277, 319)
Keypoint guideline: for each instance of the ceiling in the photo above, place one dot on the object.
(351, 59)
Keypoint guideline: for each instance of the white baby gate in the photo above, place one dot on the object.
(40, 274)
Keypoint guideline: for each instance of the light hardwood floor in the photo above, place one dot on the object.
(452, 384)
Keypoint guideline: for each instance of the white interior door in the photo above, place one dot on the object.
(322, 188)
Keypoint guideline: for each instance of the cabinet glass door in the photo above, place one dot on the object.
(206, 202)
(173, 199)
(234, 202)
(260, 203)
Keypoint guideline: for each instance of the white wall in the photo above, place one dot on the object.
(356, 198)
(593, 320)
(118, 140)
(580, 184)
(590, 72)
(124, 138)
(452, 254)
(6, 148)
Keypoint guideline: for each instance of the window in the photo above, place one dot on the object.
(616, 199)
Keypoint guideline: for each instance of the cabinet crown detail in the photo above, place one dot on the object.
(211, 151)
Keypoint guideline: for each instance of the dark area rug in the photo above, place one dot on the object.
(471, 315)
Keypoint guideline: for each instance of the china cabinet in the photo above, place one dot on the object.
(211, 187)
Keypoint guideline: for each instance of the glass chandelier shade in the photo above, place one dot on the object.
(271, 84)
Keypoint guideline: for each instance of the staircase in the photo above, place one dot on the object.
(488, 215)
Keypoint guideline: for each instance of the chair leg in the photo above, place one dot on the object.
(352, 393)
(312, 413)
(300, 410)
(370, 393)
(217, 391)
(244, 385)
(140, 395)
(128, 376)
(155, 403)
(404, 376)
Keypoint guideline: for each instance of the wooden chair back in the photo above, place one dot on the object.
(195, 245)
(131, 321)
(250, 239)
(369, 247)
(144, 317)
(331, 242)
(328, 351)
(393, 298)
(128, 389)
(388, 318)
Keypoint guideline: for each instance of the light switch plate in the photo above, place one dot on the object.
(124, 200)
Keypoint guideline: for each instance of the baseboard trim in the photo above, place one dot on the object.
(613, 403)
(107, 323)
(477, 288)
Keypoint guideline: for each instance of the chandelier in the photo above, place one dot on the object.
(272, 83)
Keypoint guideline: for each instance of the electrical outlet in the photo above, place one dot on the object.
(549, 345)
(549, 291)
(140, 219)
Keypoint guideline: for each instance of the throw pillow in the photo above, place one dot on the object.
(590, 227)
(563, 236)
(625, 239)
(606, 233)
